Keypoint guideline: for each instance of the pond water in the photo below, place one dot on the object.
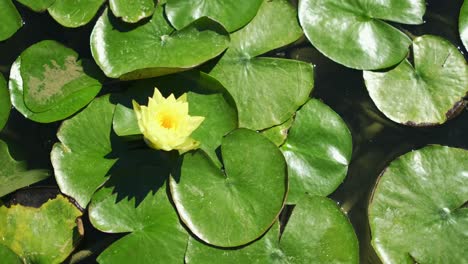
(376, 139)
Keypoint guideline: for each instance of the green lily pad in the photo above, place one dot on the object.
(262, 88)
(134, 200)
(427, 94)
(279, 133)
(463, 24)
(74, 13)
(5, 104)
(37, 5)
(236, 205)
(353, 33)
(14, 174)
(418, 211)
(11, 19)
(318, 151)
(41, 235)
(121, 50)
(232, 14)
(84, 155)
(49, 83)
(132, 12)
(8, 256)
(317, 232)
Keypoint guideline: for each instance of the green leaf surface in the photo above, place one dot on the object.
(236, 205)
(418, 209)
(121, 50)
(428, 93)
(74, 13)
(262, 87)
(463, 24)
(43, 235)
(14, 174)
(11, 19)
(279, 133)
(132, 11)
(317, 232)
(353, 33)
(5, 104)
(49, 83)
(318, 151)
(134, 200)
(8, 256)
(37, 5)
(84, 155)
(125, 123)
(232, 14)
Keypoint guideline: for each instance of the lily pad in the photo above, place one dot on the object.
(353, 33)
(121, 50)
(11, 19)
(14, 174)
(427, 94)
(132, 12)
(84, 155)
(232, 14)
(463, 24)
(236, 205)
(5, 104)
(41, 235)
(317, 232)
(418, 209)
(134, 200)
(318, 151)
(49, 83)
(279, 133)
(37, 5)
(267, 91)
(74, 13)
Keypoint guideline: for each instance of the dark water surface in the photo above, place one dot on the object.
(377, 140)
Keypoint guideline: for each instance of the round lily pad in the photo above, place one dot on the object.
(74, 13)
(37, 5)
(353, 33)
(317, 150)
(48, 82)
(133, 11)
(267, 91)
(43, 235)
(418, 211)
(463, 24)
(5, 104)
(11, 19)
(427, 94)
(232, 14)
(236, 205)
(121, 49)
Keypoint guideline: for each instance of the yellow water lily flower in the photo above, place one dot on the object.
(166, 124)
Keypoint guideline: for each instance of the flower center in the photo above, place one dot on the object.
(167, 121)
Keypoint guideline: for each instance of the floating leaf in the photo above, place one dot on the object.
(279, 133)
(133, 11)
(14, 175)
(262, 87)
(232, 14)
(317, 232)
(353, 33)
(463, 24)
(11, 19)
(41, 235)
(238, 204)
(428, 94)
(318, 151)
(121, 50)
(83, 158)
(49, 83)
(37, 5)
(74, 13)
(5, 104)
(417, 212)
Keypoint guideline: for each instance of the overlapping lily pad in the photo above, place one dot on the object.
(73, 13)
(236, 205)
(232, 14)
(428, 93)
(147, 50)
(11, 19)
(267, 91)
(418, 210)
(317, 232)
(353, 33)
(5, 104)
(279, 133)
(37, 5)
(48, 82)
(463, 24)
(84, 155)
(318, 151)
(132, 12)
(42, 235)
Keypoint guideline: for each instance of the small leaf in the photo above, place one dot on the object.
(37, 5)
(5, 104)
(11, 19)
(279, 133)
(74, 13)
(132, 11)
